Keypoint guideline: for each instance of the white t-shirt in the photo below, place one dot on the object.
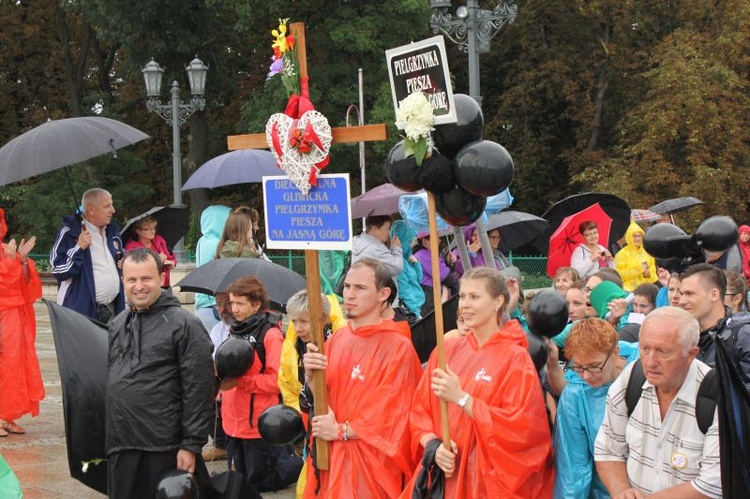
(106, 277)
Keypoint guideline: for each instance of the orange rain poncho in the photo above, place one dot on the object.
(371, 376)
(506, 449)
(21, 387)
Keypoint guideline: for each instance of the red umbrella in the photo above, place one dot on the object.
(566, 238)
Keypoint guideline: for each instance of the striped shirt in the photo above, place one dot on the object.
(661, 454)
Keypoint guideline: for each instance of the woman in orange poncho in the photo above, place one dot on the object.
(500, 439)
(21, 386)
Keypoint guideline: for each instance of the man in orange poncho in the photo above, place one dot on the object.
(372, 371)
(500, 439)
(21, 387)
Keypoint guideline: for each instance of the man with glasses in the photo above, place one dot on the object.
(702, 291)
(660, 448)
(219, 333)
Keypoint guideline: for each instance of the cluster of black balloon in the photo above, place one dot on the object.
(462, 170)
(677, 250)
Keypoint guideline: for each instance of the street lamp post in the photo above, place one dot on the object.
(471, 28)
(175, 112)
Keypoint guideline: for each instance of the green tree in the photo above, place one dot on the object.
(688, 135)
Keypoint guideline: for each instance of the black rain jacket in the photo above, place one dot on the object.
(161, 381)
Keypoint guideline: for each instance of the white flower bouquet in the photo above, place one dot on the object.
(416, 118)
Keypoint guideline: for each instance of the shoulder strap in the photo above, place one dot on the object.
(706, 400)
(635, 386)
(260, 348)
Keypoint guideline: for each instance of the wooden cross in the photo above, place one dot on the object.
(341, 135)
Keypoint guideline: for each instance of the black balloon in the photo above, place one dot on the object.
(484, 168)
(233, 357)
(538, 351)
(458, 207)
(667, 241)
(281, 425)
(548, 313)
(176, 484)
(436, 174)
(716, 233)
(402, 171)
(449, 139)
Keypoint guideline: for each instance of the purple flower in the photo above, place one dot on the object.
(277, 66)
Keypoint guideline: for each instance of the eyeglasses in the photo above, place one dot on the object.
(593, 369)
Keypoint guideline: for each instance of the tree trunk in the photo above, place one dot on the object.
(602, 85)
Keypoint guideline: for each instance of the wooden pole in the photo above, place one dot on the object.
(312, 272)
(437, 296)
(320, 394)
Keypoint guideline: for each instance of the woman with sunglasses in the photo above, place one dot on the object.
(596, 359)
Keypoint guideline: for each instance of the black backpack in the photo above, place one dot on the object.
(708, 392)
(339, 289)
(705, 400)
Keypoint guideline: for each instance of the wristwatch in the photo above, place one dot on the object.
(462, 401)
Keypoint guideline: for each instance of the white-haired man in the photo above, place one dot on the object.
(84, 259)
(660, 448)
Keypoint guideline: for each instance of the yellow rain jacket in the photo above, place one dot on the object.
(289, 383)
(629, 261)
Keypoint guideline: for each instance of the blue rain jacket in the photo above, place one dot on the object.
(580, 413)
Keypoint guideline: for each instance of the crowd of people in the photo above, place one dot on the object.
(611, 413)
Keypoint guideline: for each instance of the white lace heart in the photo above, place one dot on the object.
(299, 145)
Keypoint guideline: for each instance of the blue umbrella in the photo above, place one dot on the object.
(245, 166)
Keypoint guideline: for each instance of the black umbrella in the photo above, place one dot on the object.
(59, 143)
(217, 275)
(675, 205)
(516, 227)
(734, 424)
(172, 223)
(617, 209)
(82, 356)
(246, 166)
(423, 331)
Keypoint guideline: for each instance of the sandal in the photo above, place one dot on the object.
(3, 433)
(12, 427)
